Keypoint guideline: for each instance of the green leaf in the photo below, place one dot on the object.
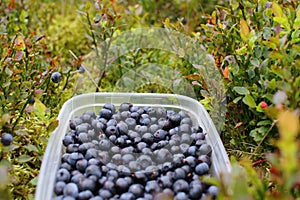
(34, 181)
(255, 62)
(52, 125)
(264, 122)
(31, 147)
(284, 22)
(241, 90)
(266, 33)
(237, 99)
(248, 100)
(24, 158)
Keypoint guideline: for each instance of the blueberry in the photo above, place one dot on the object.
(93, 170)
(141, 145)
(66, 141)
(204, 158)
(110, 186)
(123, 170)
(152, 186)
(175, 119)
(55, 77)
(144, 160)
(192, 150)
(121, 185)
(71, 189)
(144, 120)
(122, 128)
(127, 158)
(104, 145)
(103, 157)
(125, 115)
(81, 69)
(148, 138)
(186, 124)
(111, 130)
(200, 136)
(190, 160)
(160, 135)
(81, 165)
(196, 189)
(131, 122)
(96, 198)
(86, 184)
(66, 165)
(68, 198)
(83, 137)
(6, 139)
(77, 177)
(105, 113)
(163, 156)
(213, 191)
(153, 128)
(59, 187)
(63, 175)
(181, 196)
(202, 168)
(180, 186)
(84, 127)
(137, 190)
(205, 149)
(117, 159)
(120, 142)
(110, 107)
(127, 196)
(105, 193)
(112, 174)
(125, 107)
(165, 181)
(85, 195)
(179, 173)
(140, 177)
(134, 165)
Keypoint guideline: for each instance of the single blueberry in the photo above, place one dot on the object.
(55, 77)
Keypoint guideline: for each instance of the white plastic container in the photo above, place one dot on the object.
(94, 101)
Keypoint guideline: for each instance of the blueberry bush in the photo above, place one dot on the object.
(51, 50)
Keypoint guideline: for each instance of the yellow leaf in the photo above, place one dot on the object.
(289, 125)
(40, 108)
(244, 30)
(277, 10)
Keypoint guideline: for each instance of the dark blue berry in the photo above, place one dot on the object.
(55, 77)
(81, 69)
(6, 139)
(213, 191)
(127, 196)
(125, 107)
(181, 196)
(71, 189)
(63, 175)
(180, 186)
(85, 195)
(59, 187)
(137, 190)
(202, 168)
(105, 113)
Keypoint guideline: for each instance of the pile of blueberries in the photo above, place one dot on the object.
(141, 153)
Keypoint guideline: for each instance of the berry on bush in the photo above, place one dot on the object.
(6, 139)
(55, 77)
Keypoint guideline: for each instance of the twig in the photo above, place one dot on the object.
(265, 136)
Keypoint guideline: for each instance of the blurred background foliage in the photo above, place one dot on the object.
(254, 45)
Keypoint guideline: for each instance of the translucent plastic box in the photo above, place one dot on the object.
(94, 101)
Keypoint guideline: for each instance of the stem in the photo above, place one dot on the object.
(93, 35)
(265, 136)
(107, 45)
